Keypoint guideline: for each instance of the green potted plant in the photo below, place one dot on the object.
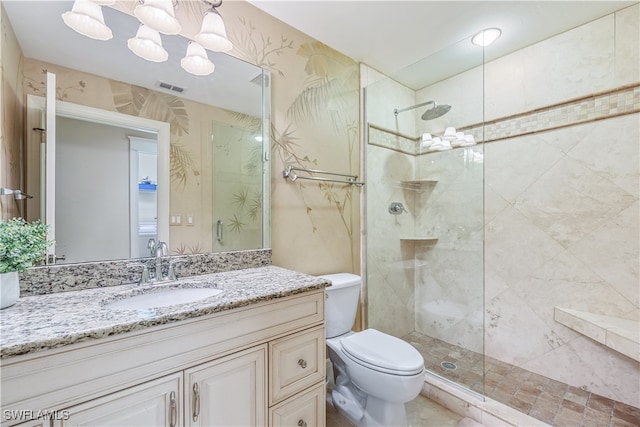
(22, 244)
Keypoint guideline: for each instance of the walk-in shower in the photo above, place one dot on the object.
(432, 113)
(496, 268)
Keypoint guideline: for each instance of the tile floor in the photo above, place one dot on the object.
(553, 402)
(421, 412)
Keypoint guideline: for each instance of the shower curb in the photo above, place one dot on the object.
(481, 409)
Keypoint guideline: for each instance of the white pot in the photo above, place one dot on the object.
(9, 289)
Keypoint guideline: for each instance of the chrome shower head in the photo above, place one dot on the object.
(432, 113)
(436, 111)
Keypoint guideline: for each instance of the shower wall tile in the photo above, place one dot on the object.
(569, 65)
(391, 264)
(387, 313)
(568, 212)
(591, 367)
(494, 203)
(391, 95)
(569, 239)
(449, 293)
(464, 92)
(507, 179)
(508, 320)
(580, 62)
(494, 285)
(627, 45)
(617, 163)
(504, 91)
(556, 284)
(612, 255)
(516, 247)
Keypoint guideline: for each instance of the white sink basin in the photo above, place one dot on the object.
(163, 298)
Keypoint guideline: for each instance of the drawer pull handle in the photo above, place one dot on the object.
(173, 411)
(302, 423)
(303, 364)
(196, 402)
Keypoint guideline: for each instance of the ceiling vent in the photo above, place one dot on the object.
(171, 87)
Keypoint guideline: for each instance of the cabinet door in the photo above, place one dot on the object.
(229, 391)
(154, 404)
(304, 410)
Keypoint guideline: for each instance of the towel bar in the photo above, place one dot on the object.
(290, 172)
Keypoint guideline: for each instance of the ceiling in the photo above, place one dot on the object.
(398, 37)
(415, 42)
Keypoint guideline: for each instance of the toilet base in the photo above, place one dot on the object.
(376, 413)
(365, 410)
(382, 413)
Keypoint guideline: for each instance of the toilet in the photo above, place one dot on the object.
(375, 374)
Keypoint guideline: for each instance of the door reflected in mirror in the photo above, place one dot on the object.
(217, 174)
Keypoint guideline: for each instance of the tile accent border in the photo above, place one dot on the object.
(599, 106)
(74, 277)
(395, 141)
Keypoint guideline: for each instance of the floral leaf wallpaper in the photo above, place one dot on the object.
(62, 93)
(254, 46)
(315, 96)
(142, 102)
(182, 164)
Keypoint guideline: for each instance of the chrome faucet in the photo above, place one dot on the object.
(161, 250)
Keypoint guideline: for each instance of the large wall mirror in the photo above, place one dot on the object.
(143, 150)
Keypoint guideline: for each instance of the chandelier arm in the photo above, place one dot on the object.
(213, 4)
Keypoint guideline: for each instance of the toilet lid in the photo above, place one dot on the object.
(383, 352)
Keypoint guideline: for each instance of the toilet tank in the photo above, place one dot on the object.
(341, 303)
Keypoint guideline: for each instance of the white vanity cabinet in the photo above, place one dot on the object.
(228, 392)
(258, 365)
(156, 403)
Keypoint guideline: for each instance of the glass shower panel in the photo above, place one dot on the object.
(237, 181)
(424, 263)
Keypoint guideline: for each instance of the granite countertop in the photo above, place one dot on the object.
(37, 323)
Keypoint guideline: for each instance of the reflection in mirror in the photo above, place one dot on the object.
(218, 176)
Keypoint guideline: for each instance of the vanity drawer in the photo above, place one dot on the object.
(297, 362)
(305, 410)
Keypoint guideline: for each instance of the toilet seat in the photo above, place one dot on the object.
(383, 353)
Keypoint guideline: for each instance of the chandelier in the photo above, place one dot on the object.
(156, 17)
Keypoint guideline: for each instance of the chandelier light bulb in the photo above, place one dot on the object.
(213, 34)
(86, 18)
(148, 45)
(159, 15)
(196, 61)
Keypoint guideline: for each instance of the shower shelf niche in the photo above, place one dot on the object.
(424, 239)
(418, 184)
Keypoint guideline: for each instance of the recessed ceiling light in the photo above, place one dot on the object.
(486, 37)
